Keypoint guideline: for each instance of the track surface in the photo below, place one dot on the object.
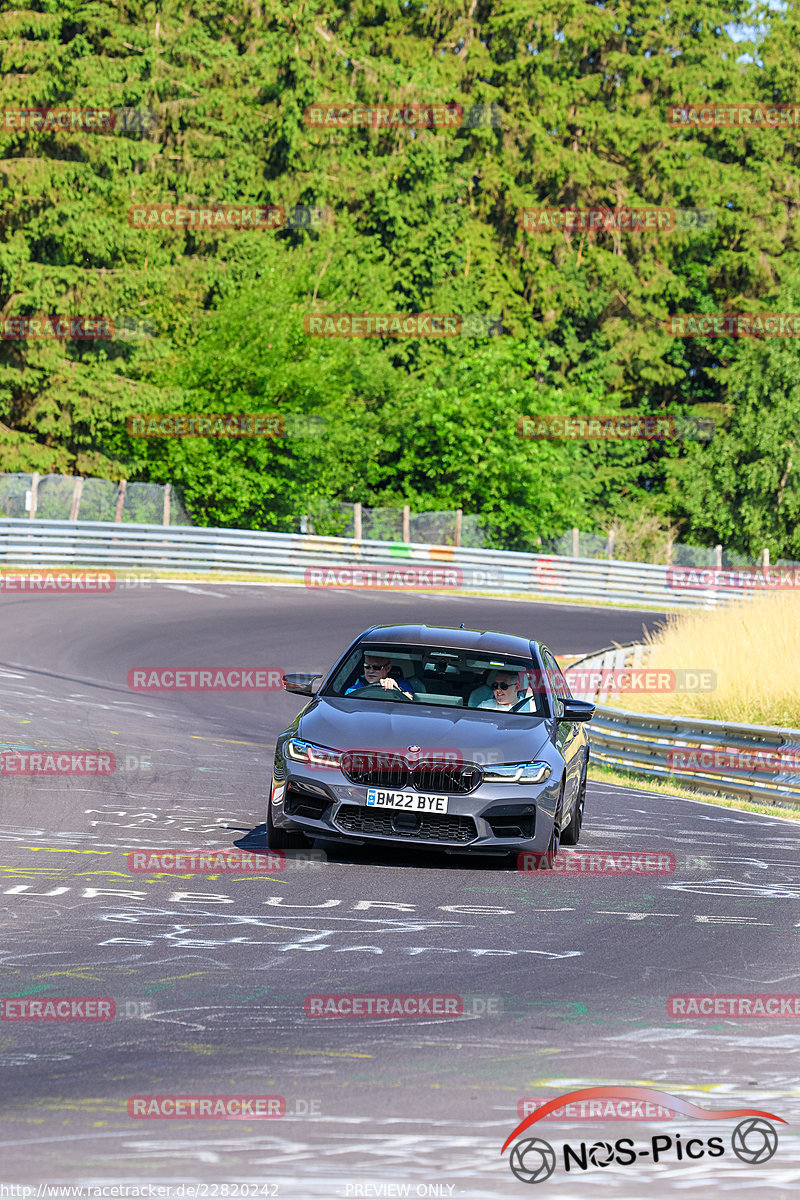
(209, 973)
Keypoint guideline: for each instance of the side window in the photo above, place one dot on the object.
(556, 677)
(347, 674)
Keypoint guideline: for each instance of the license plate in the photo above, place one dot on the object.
(413, 801)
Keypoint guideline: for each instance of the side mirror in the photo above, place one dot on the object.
(304, 683)
(576, 710)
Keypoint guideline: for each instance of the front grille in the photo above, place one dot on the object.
(375, 770)
(439, 777)
(394, 772)
(432, 827)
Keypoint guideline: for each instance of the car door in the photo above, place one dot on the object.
(568, 737)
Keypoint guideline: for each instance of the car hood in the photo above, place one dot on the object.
(384, 725)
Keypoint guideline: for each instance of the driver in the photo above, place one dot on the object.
(377, 671)
(504, 692)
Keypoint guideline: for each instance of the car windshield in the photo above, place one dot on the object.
(439, 676)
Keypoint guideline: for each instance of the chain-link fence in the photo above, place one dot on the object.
(72, 498)
(576, 544)
(447, 527)
(645, 540)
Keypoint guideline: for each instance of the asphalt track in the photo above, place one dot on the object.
(564, 979)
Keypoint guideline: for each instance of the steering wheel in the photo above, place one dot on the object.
(374, 690)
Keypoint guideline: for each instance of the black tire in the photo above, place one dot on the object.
(555, 836)
(571, 834)
(284, 839)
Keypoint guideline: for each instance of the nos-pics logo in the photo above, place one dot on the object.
(533, 1160)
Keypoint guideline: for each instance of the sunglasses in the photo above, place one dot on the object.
(504, 686)
(375, 666)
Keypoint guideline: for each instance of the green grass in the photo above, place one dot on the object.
(652, 784)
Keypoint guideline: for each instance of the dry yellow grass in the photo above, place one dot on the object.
(753, 647)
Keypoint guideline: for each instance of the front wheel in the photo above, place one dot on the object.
(284, 839)
(570, 835)
(555, 836)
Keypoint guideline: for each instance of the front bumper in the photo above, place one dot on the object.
(495, 818)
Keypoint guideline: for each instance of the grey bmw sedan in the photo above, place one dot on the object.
(453, 739)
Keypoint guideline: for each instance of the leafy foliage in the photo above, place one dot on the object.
(425, 220)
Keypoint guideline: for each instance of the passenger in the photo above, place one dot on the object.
(506, 693)
(377, 671)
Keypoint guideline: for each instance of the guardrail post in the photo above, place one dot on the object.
(459, 518)
(34, 494)
(576, 543)
(165, 520)
(718, 557)
(765, 558)
(406, 523)
(77, 492)
(121, 500)
(357, 521)
(611, 536)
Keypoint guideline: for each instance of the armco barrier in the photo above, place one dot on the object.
(647, 743)
(288, 555)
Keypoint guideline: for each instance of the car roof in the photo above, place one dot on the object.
(450, 638)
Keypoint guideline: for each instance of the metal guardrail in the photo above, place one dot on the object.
(691, 751)
(289, 555)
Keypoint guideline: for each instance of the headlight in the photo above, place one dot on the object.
(313, 756)
(533, 772)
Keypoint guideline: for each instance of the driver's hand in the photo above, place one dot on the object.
(389, 683)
